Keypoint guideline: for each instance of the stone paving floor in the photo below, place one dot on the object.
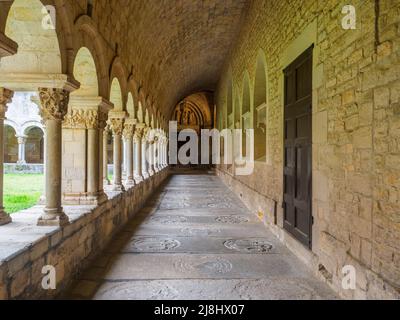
(195, 240)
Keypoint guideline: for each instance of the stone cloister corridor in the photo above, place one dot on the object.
(199, 149)
(194, 239)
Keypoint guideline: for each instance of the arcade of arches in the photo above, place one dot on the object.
(324, 192)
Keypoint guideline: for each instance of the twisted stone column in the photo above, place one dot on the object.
(53, 108)
(129, 129)
(5, 98)
(117, 125)
(137, 140)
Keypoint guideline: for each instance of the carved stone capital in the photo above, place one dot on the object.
(5, 98)
(53, 103)
(129, 130)
(138, 135)
(117, 126)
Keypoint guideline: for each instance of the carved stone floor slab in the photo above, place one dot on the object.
(195, 239)
(227, 289)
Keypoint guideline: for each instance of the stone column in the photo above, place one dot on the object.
(95, 126)
(163, 153)
(150, 156)
(117, 125)
(137, 141)
(145, 172)
(106, 181)
(156, 151)
(129, 129)
(21, 150)
(53, 108)
(160, 155)
(5, 98)
(124, 156)
(102, 164)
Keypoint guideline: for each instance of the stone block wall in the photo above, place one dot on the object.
(72, 248)
(356, 121)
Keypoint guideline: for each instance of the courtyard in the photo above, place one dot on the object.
(22, 191)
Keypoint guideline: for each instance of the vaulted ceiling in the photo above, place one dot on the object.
(174, 47)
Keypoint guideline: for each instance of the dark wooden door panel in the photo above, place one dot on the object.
(298, 148)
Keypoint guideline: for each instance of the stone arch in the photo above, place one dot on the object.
(116, 95)
(88, 36)
(38, 47)
(260, 108)
(10, 144)
(118, 73)
(229, 102)
(246, 110)
(18, 130)
(31, 124)
(238, 112)
(130, 106)
(34, 145)
(140, 112)
(85, 72)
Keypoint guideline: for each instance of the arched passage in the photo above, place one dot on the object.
(37, 68)
(260, 109)
(34, 145)
(194, 113)
(229, 104)
(10, 145)
(38, 46)
(85, 72)
(116, 122)
(246, 111)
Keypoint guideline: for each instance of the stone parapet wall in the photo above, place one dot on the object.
(23, 168)
(25, 248)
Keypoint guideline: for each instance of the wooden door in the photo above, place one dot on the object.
(297, 202)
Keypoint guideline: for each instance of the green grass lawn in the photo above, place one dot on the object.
(22, 191)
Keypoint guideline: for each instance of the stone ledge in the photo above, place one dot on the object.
(25, 248)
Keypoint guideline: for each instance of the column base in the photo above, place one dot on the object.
(118, 188)
(4, 218)
(96, 199)
(151, 173)
(130, 182)
(53, 218)
(145, 175)
(138, 179)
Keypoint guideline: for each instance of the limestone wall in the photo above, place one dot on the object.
(356, 133)
(71, 248)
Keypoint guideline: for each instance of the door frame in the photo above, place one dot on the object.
(308, 52)
(307, 38)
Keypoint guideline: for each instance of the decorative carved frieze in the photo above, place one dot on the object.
(53, 103)
(80, 119)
